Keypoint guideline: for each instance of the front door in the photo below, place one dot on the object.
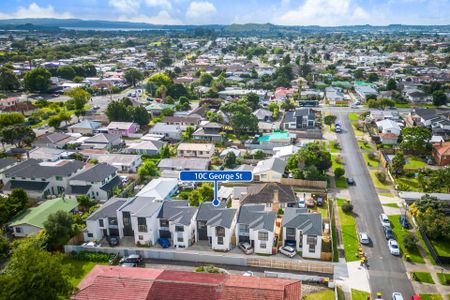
(127, 229)
(202, 231)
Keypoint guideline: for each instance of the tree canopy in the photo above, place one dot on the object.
(37, 80)
(416, 140)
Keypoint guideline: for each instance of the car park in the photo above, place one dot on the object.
(364, 238)
(288, 251)
(393, 247)
(384, 220)
(133, 258)
(388, 233)
(397, 296)
(246, 247)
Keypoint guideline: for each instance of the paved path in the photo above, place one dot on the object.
(387, 273)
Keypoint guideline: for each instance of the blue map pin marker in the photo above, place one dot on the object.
(216, 201)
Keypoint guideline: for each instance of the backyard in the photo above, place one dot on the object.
(348, 228)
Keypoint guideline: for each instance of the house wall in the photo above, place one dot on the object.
(93, 226)
(188, 234)
(257, 244)
(316, 250)
(26, 230)
(149, 237)
(83, 131)
(226, 239)
(269, 176)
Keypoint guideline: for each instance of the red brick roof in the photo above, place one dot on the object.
(111, 283)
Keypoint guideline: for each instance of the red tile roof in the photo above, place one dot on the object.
(443, 149)
(111, 283)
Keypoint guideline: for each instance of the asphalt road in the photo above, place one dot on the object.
(387, 272)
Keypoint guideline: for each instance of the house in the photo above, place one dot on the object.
(364, 90)
(269, 170)
(272, 195)
(122, 128)
(235, 151)
(300, 119)
(97, 181)
(169, 132)
(388, 138)
(122, 162)
(334, 95)
(257, 227)
(5, 164)
(53, 140)
(389, 126)
(196, 150)
(102, 141)
(46, 154)
(32, 220)
(215, 225)
(303, 231)
(441, 153)
(157, 108)
(41, 179)
(103, 222)
(193, 121)
(85, 127)
(170, 167)
(118, 283)
(284, 152)
(263, 114)
(150, 148)
(176, 221)
(159, 189)
(209, 131)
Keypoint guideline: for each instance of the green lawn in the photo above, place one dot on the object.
(423, 277)
(353, 116)
(333, 148)
(414, 163)
(348, 228)
(357, 131)
(336, 164)
(322, 295)
(341, 182)
(442, 247)
(402, 105)
(377, 183)
(370, 162)
(365, 145)
(444, 278)
(322, 209)
(78, 269)
(359, 295)
(394, 205)
(387, 195)
(412, 183)
(430, 297)
(401, 233)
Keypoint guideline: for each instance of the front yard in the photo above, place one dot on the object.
(413, 162)
(370, 162)
(78, 269)
(348, 228)
(401, 233)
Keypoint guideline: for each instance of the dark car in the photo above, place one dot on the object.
(133, 258)
(165, 243)
(319, 201)
(112, 241)
(388, 233)
(350, 181)
(404, 221)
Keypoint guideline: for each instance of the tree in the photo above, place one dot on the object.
(439, 98)
(397, 164)
(339, 172)
(14, 118)
(177, 90)
(330, 119)
(133, 76)
(164, 152)
(214, 117)
(118, 111)
(187, 134)
(410, 241)
(148, 168)
(391, 84)
(416, 139)
(141, 115)
(252, 100)
(347, 207)
(230, 160)
(205, 79)
(372, 77)
(8, 79)
(286, 60)
(66, 72)
(243, 123)
(12, 205)
(18, 135)
(37, 80)
(359, 74)
(184, 104)
(59, 229)
(33, 273)
(160, 79)
(85, 203)
(4, 247)
(204, 193)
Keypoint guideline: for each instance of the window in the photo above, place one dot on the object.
(112, 221)
(90, 235)
(142, 224)
(100, 223)
(262, 245)
(263, 236)
(180, 239)
(311, 241)
(163, 223)
(220, 231)
(290, 232)
(220, 240)
(59, 178)
(243, 228)
(18, 229)
(141, 237)
(179, 228)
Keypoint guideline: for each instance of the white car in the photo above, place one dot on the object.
(301, 203)
(90, 245)
(397, 296)
(248, 274)
(364, 238)
(288, 251)
(384, 220)
(393, 247)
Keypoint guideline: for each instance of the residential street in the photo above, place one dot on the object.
(387, 273)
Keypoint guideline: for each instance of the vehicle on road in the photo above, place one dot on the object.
(133, 258)
(350, 181)
(288, 251)
(164, 242)
(393, 247)
(364, 238)
(388, 233)
(397, 296)
(384, 220)
(129, 265)
(404, 221)
(246, 247)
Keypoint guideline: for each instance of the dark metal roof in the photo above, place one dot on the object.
(177, 211)
(216, 216)
(109, 187)
(309, 223)
(32, 169)
(79, 189)
(38, 186)
(97, 173)
(256, 217)
(108, 210)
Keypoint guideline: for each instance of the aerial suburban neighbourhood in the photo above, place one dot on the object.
(343, 132)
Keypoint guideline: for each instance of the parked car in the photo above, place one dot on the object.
(112, 240)
(388, 233)
(384, 220)
(397, 296)
(288, 251)
(319, 201)
(164, 242)
(404, 221)
(350, 181)
(301, 202)
(248, 274)
(90, 245)
(393, 247)
(133, 258)
(364, 238)
(246, 247)
(129, 265)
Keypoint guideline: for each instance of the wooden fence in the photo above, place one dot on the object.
(323, 268)
(304, 183)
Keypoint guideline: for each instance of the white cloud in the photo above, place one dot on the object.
(324, 12)
(162, 18)
(200, 12)
(159, 3)
(36, 11)
(125, 5)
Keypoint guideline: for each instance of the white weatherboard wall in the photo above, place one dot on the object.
(149, 237)
(226, 246)
(258, 243)
(317, 249)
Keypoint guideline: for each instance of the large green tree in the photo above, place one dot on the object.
(37, 80)
(439, 98)
(66, 72)
(133, 76)
(18, 135)
(8, 79)
(59, 228)
(201, 194)
(397, 164)
(416, 140)
(140, 115)
(14, 118)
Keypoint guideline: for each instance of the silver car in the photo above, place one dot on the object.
(288, 251)
(246, 247)
(364, 238)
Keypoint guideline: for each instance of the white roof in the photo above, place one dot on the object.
(158, 188)
(285, 150)
(272, 164)
(196, 147)
(386, 124)
(120, 125)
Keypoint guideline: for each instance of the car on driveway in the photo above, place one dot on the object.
(388, 233)
(364, 238)
(288, 251)
(404, 221)
(384, 220)
(164, 242)
(393, 247)
(133, 258)
(112, 240)
(246, 247)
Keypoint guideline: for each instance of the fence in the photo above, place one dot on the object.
(440, 260)
(284, 264)
(304, 183)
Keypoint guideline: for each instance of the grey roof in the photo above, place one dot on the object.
(87, 124)
(426, 113)
(109, 186)
(163, 127)
(32, 168)
(52, 138)
(216, 216)
(272, 164)
(141, 206)
(79, 189)
(102, 138)
(96, 173)
(265, 193)
(256, 217)
(107, 210)
(308, 223)
(177, 211)
(180, 163)
(38, 186)
(291, 116)
(6, 162)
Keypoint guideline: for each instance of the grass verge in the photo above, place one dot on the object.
(348, 228)
(430, 297)
(370, 162)
(378, 184)
(444, 278)
(401, 233)
(322, 295)
(422, 277)
(359, 295)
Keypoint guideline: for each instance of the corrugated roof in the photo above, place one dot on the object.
(96, 173)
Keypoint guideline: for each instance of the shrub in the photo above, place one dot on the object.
(92, 256)
(338, 159)
(372, 156)
(347, 207)
(339, 172)
(381, 176)
(280, 212)
(410, 241)
(200, 269)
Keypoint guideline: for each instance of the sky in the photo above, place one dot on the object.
(284, 12)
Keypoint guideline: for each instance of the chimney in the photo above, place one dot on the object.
(276, 200)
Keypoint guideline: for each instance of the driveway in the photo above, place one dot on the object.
(387, 273)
